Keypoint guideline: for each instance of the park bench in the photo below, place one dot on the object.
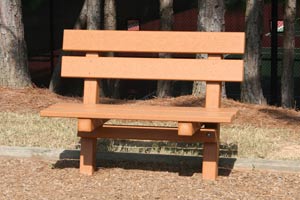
(195, 124)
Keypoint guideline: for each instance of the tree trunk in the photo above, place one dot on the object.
(110, 16)
(89, 18)
(56, 83)
(287, 79)
(112, 86)
(13, 52)
(81, 22)
(164, 88)
(251, 87)
(210, 19)
(93, 15)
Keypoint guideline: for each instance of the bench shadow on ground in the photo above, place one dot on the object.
(183, 165)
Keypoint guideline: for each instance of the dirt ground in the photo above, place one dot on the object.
(39, 179)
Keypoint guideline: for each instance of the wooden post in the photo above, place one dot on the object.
(88, 145)
(188, 129)
(88, 156)
(211, 150)
(211, 156)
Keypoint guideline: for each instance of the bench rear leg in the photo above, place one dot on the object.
(88, 156)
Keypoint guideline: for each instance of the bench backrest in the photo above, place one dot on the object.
(214, 70)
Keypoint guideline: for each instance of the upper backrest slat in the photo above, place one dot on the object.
(154, 41)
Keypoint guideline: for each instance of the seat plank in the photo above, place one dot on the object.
(154, 41)
(153, 68)
(140, 112)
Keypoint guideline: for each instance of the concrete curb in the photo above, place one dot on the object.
(235, 163)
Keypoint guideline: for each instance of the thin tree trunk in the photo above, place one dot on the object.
(13, 52)
(112, 86)
(210, 19)
(251, 87)
(164, 88)
(56, 83)
(89, 18)
(93, 16)
(110, 22)
(287, 79)
(81, 22)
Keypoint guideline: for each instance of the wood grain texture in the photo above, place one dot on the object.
(88, 156)
(211, 149)
(154, 41)
(150, 133)
(188, 129)
(213, 94)
(153, 68)
(210, 160)
(90, 96)
(91, 91)
(214, 88)
(140, 112)
(214, 70)
(211, 154)
(88, 125)
(88, 145)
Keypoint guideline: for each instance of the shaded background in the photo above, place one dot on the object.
(45, 20)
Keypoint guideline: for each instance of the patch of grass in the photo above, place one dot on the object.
(257, 142)
(32, 130)
(245, 140)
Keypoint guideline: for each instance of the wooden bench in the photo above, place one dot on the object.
(195, 124)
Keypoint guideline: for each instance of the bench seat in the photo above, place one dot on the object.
(140, 112)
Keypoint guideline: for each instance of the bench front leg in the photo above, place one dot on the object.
(211, 156)
(210, 161)
(88, 156)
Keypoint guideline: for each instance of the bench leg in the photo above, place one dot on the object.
(210, 161)
(88, 156)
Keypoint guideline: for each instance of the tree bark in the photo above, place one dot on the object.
(110, 16)
(251, 87)
(210, 19)
(56, 83)
(164, 88)
(93, 15)
(89, 18)
(111, 86)
(287, 79)
(81, 22)
(13, 52)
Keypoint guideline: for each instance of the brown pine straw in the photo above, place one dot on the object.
(32, 100)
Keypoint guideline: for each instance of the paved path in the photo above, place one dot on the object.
(56, 154)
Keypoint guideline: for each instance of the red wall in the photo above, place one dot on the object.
(234, 22)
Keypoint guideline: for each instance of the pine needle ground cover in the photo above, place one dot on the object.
(257, 132)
